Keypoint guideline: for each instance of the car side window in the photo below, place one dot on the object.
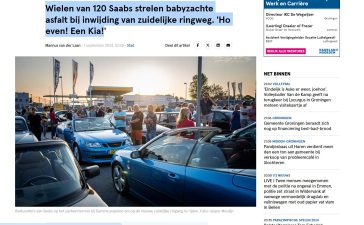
(249, 135)
(219, 116)
(251, 132)
(163, 118)
(171, 149)
(172, 118)
(237, 154)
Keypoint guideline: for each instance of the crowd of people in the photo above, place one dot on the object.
(38, 122)
(242, 116)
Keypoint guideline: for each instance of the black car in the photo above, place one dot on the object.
(221, 119)
(47, 174)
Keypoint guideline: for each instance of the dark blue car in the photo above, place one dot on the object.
(93, 139)
(183, 168)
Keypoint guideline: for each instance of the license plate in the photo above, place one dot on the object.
(112, 152)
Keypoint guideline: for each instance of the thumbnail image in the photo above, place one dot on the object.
(135, 131)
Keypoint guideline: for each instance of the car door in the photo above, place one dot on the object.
(69, 135)
(159, 176)
(220, 120)
(212, 181)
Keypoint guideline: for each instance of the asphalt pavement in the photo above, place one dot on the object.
(103, 185)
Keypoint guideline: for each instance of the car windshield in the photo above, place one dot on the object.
(45, 175)
(93, 124)
(20, 125)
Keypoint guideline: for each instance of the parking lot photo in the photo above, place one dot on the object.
(135, 131)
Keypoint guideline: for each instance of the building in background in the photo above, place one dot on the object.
(144, 100)
(21, 100)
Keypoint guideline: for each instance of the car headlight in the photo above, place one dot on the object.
(93, 144)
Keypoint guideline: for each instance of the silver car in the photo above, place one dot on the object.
(22, 132)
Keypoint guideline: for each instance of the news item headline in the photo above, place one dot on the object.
(91, 19)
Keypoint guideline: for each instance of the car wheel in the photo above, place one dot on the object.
(77, 153)
(120, 179)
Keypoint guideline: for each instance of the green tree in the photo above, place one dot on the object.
(217, 92)
(249, 98)
(119, 99)
(193, 86)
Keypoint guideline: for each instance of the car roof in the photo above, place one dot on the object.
(47, 143)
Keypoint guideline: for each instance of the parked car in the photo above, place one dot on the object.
(183, 168)
(247, 133)
(92, 139)
(221, 119)
(61, 115)
(22, 133)
(167, 119)
(46, 174)
(129, 115)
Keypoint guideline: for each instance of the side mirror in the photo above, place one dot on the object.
(67, 130)
(135, 154)
(91, 171)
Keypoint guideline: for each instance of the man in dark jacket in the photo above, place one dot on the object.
(35, 123)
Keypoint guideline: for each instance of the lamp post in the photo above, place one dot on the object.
(186, 92)
(60, 77)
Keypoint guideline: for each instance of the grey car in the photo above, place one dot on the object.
(47, 174)
(22, 132)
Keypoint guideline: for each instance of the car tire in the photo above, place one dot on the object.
(120, 180)
(77, 153)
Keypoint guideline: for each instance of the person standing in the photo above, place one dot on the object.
(120, 119)
(191, 108)
(151, 123)
(244, 115)
(69, 114)
(183, 118)
(206, 104)
(25, 113)
(44, 124)
(136, 126)
(53, 118)
(178, 108)
(235, 119)
(92, 112)
(100, 112)
(35, 121)
(252, 113)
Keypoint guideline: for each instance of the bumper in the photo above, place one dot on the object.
(99, 155)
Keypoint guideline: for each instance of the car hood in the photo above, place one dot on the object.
(24, 137)
(102, 135)
(91, 200)
(125, 152)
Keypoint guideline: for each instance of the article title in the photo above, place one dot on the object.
(91, 19)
